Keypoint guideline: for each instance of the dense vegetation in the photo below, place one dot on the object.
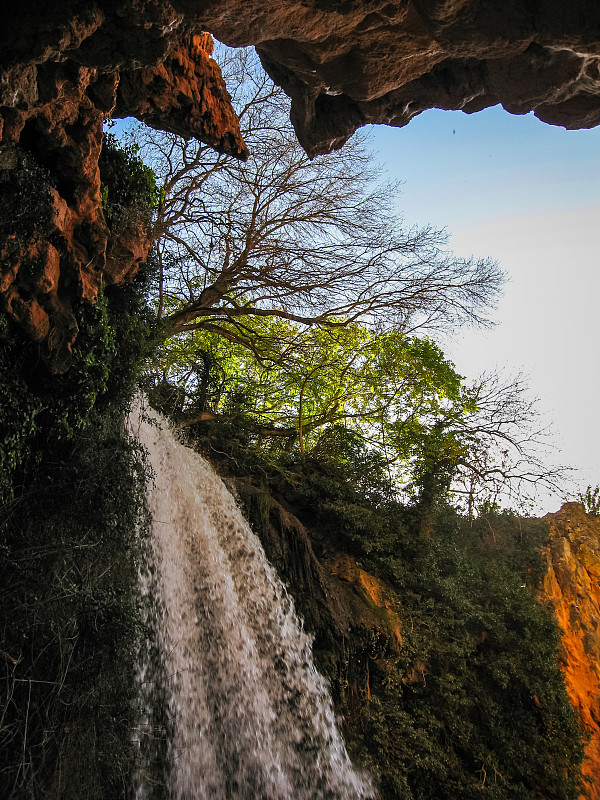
(129, 188)
(367, 427)
(290, 289)
(71, 509)
(474, 703)
(336, 420)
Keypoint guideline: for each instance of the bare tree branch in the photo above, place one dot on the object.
(316, 242)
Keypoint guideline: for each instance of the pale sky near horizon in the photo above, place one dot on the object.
(528, 195)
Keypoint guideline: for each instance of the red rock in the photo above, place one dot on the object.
(29, 313)
(47, 267)
(8, 267)
(67, 65)
(572, 588)
(54, 111)
(185, 95)
(125, 255)
(374, 593)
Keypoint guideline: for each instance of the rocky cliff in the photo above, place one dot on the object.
(344, 63)
(572, 587)
(68, 65)
(56, 249)
(381, 62)
(357, 618)
(345, 607)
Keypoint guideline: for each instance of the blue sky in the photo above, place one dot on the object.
(527, 194)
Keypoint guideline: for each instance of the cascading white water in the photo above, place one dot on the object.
(251, 719)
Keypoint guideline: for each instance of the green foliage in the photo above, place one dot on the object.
(590, 500)
(474, 703)
(508, 537)
(69, 621)
(25, 188)
(301, 388)
(129, 189)
(71, 500)
(399, 394)
(41, 409)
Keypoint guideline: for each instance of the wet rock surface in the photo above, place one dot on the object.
(344, 607)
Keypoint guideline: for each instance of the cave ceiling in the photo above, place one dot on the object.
(345, 63)
(67, 66)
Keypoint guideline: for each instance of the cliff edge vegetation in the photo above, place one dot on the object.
(348, 441)
(570, 588)
(72, 511)
(442, 662)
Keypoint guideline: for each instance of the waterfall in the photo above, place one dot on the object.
(249, 716)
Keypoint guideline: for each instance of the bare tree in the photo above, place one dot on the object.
(318, 243)
(497, 452)
(315, 242)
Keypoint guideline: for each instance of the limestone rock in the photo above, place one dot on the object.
(572, 588)
(342, 604)
(186, 95)
(67, 65)
(384, 62)
(51, 114)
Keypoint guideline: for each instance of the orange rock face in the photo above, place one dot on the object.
(67, 65)
(572, 586)
(185, 94)
(55, 247)
(378, 598)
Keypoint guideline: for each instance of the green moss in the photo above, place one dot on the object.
(25, 188)
(72, 505)
(129, 189)
(69, 621)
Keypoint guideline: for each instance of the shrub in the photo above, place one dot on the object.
(69, 620)
(474, 703)
(129, 189)
(25, 188)
(590, 500)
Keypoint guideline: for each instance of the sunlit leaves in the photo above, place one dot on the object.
(387, 388)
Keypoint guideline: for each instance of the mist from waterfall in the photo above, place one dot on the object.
(248, 715)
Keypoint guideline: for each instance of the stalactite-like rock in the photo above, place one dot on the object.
(67, 65)
(56, 249)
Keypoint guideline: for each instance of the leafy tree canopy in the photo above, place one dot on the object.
(397, 394)
(314, 288)
(385, 386)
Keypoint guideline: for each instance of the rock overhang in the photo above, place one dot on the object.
(67, 66)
